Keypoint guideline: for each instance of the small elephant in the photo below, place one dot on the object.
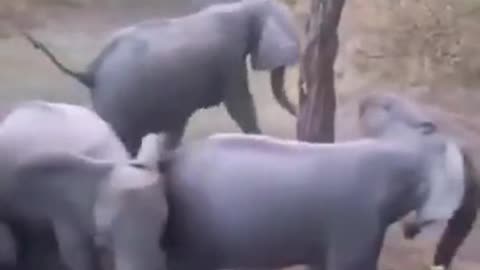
(152, 76)
(253, 201)
(406, 112)
(67, 179)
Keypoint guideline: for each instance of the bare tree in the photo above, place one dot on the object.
(317, 99)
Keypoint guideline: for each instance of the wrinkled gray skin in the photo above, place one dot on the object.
(252, 201)
(407, 112)
(70, 180)
(154, 75)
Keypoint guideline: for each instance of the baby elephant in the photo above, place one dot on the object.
(91, 202)
(252, 201)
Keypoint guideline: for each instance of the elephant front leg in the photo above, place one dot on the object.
(76, 249)
(355, 252)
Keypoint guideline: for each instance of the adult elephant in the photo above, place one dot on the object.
(458, 129)
(154, 75)
(67, 179)
(252, 201)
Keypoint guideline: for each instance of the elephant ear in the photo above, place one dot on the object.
(445, 186)
(278, 44)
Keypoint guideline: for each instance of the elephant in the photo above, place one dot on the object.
(413, 114)
(61, 124)
(255, 201)
(70, 184)
(153, 75)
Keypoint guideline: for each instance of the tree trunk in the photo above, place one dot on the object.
(317, 99)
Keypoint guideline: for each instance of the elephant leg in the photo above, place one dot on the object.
(359, 252)
(136, 248)
(174, 136)
(458, 228)
(136, 233)
(132, 143)
(36, 248)
(76, 249)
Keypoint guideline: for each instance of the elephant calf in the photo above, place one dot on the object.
(81, 186)
(251, 201)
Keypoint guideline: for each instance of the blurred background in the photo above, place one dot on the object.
(425, 49)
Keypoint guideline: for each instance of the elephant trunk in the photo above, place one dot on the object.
(277, 79)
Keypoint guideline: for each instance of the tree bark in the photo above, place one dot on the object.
(317, 99)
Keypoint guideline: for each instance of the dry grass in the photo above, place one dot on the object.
(412, 42)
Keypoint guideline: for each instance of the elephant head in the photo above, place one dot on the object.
(383, 114)
(390, 117)
(273, 43)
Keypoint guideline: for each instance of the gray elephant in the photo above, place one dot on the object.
(253, 201)
(154, 75)
(413, 114)
(63, 127)
(69, 180)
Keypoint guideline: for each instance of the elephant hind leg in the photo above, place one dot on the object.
(361, 252)
(137, 229)
(132, 144)
(76, 249)
(174, 137)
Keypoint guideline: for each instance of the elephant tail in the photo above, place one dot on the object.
(83, 77)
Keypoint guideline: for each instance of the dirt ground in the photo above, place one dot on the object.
(77, 34)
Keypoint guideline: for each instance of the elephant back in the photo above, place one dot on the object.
(39, 126)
